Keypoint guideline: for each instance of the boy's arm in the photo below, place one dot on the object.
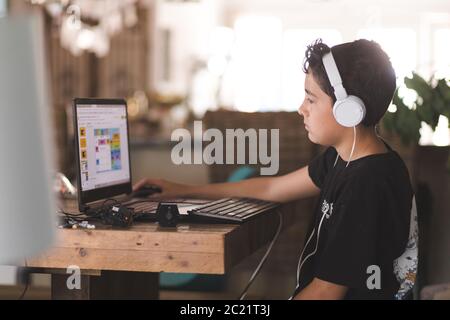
(292, 186)
(322, 290)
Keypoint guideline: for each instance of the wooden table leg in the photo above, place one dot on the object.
(115, 285)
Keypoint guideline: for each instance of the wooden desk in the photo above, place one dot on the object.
(124, 263)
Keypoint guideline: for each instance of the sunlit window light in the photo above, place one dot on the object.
(256, 62)
(221, 41)
(204, 86)
(441, 53)
(392, 108)
(408, 96)
(440, 137)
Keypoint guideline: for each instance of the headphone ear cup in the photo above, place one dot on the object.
(349, 112)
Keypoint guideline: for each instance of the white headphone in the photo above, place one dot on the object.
(348, 110)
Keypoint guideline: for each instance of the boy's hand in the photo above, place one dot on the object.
(168, 189)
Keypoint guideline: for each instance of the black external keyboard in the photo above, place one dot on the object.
(236, 210)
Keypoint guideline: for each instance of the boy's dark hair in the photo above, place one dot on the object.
(366, 72)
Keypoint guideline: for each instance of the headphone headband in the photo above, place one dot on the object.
(333, 75)
(348, 110)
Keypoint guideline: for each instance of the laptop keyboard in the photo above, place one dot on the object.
(237, 210)
(141, 207)
(148, 208)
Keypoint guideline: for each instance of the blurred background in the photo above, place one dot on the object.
(237, 64)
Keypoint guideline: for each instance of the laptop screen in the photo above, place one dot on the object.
(102, 148)
(103, 145)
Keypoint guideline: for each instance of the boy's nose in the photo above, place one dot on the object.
(300, 110)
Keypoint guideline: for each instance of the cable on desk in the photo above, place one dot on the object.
(264, 258)
(103, 211)
(98, 213)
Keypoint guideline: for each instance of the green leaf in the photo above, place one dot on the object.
(420, 85)
(433, 102)
(444, 90)
(426, 113)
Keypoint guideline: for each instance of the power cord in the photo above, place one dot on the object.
(27, 284)
(99, 213)
(264, 258)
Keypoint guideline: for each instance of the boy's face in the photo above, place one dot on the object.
(317, 111)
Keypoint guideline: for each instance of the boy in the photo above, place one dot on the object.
(363, 242)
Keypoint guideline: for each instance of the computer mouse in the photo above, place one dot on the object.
(146, 191)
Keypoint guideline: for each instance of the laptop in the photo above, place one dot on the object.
(104, 169)
(103, 158)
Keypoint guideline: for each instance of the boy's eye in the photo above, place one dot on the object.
(309, 100)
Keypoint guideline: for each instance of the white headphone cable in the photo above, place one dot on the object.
(351, 152)
(353, 146)
(301, 256)
(301, 261)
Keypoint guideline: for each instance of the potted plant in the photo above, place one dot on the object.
(404, 124)
(429, 165)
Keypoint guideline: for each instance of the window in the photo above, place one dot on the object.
(254, 72)
(265, 73)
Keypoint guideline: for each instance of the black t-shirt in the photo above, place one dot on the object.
(366, 211)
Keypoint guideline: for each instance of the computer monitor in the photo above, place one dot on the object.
(27, 204)
(102, 145)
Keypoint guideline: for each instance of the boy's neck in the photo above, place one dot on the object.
(367, 143)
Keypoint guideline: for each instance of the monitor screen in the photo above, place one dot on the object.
(103, 145)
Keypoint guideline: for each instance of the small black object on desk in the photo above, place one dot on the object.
(119, 216)
(168, 214)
